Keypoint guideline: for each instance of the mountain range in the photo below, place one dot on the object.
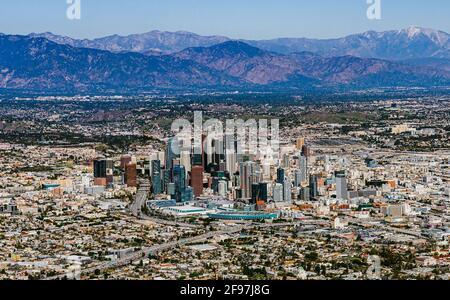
(48, 62)
(410, 43)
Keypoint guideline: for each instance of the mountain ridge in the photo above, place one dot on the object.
(409, 43)
(38, 63)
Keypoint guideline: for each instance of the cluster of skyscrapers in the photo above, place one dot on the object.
(105, 171)
(184, 174)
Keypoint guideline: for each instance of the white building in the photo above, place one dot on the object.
(278, 192)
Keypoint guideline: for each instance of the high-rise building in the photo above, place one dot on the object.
(255, 193)
(215, 184)
(305, 194)
(230, 162)
(256, 175)
(230, 153)
(156, 177)
(162, 158)
(306, 151)
(131, 175)
(165, 179)
(100, 168)
(297, 178)
(303, 166)
(263, 191)
(341, 187)
(197, 180)
(197, 159)
(246, 173)
(187, 195)
(219, 151)
(179, 179)
(314, 186)
(287, 193)
(185, 160)
(300, 143)
(171, 190)
(281, 175)
(278, 192)
(222, 188)
(208, 151)
(286, 161)
(124, 161)
(172, 152)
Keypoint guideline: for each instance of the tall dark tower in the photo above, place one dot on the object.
(314, 186)
(179, 179)
(156, 177)
(280, 175)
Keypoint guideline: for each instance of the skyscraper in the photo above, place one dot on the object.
(171, 190)
(280, 175)
(278, 192)
(306, 151)
(100, 168)
(255, 193)
(156, 177)
(230, 153)
(185, 160)
(165, 179)
(314, 186)
(263, 192)
(219, 150)
(287, 194)
(297, 178)
(197, 180)
(124, 161)
(179, 179)
(131, 175)
(303, 166)
(300, 143)
(286, 161)
(187, 194)
(172, 152)
(305, 194)
(222, 188)
(246, 173)
(341, 187)
(230, 162)
(215, 184)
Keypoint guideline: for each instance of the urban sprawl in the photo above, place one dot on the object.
(91, 187)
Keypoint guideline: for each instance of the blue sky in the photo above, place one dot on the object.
(250, 19)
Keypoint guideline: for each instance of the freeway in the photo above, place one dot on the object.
(169, 223)
(356, 222)
(136, 210)
(141, 200)
(145, 252)
(389, 228)
(138, 255)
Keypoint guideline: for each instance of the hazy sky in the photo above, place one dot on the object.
(250, 19)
